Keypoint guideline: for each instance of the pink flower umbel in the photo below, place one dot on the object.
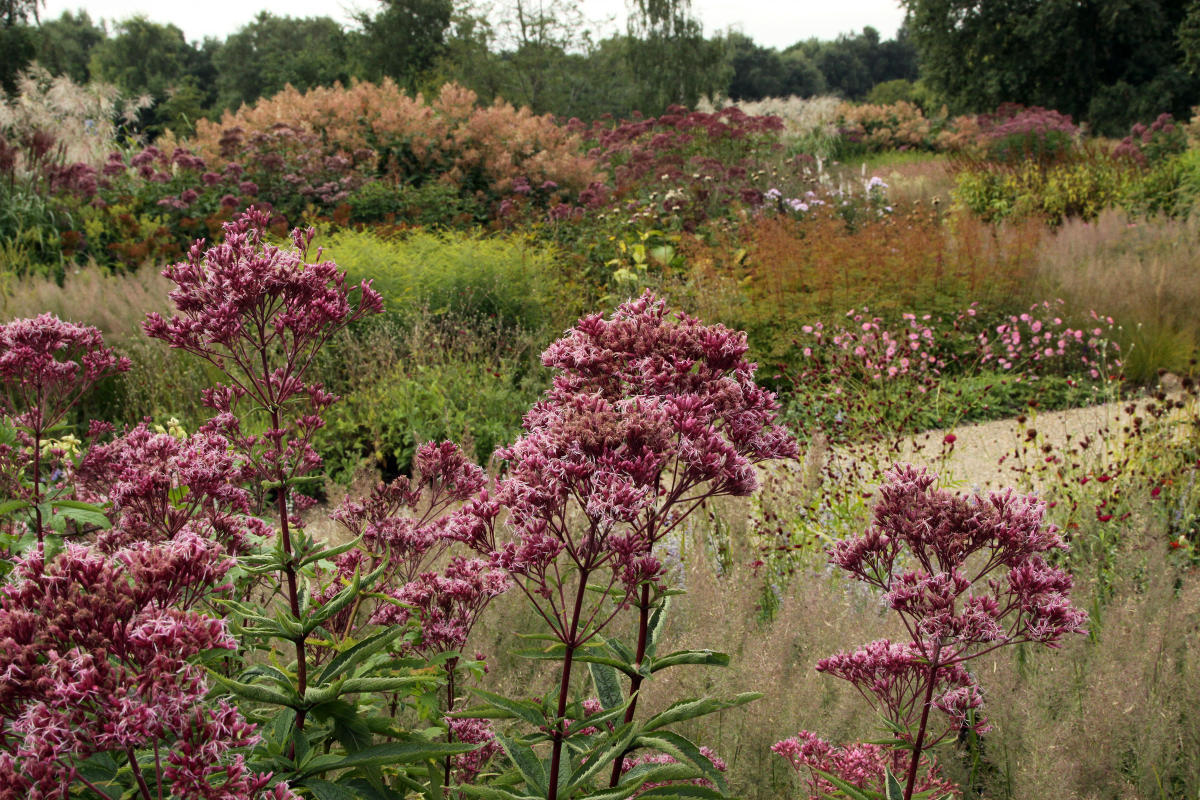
(966, 575)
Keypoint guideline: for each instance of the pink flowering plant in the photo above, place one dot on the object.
(966, 575)
(46, 366)
(260, 313)
(405, 528)
(103, 623)
(101, 687)
(650, 415)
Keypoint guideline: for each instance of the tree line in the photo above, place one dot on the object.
(1108, 62)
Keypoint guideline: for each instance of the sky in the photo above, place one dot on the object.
(773, 23)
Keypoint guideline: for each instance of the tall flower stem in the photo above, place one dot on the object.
(913, 764)
(451, 668)
(635, 683)
(564, 688)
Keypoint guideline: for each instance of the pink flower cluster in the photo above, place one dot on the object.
(46, 365)
(160, 484)
(966, 575)
(872, 350)
(632, 762)
(472, 731)
(410, 524)
(95, 654)
(1038, 338)
(861, 764)
(260, 313)
(649, 414)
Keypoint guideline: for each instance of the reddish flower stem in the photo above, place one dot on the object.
(635, 683)
(564, 687)
(920, 742)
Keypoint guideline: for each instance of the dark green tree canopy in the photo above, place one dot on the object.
(271, 52)
(670, 57)
(759, 72)
(1110, 62)
(64, 45)
(404, 39)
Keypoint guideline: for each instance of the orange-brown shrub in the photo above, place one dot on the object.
(895, 126)
(449, 135)
(779, 273)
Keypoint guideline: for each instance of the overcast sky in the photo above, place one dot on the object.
(775, 23)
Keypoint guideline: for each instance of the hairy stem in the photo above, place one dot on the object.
(37, 485)
(137, 774)
(451, 668)
(289, 571)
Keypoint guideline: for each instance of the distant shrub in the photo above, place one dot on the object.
(809, 123)
(85, 121)
(1080, 186)
(902, 90)
(1014, 134)
(491, 282)
(872, 128)
(476, 402)
(1150, 145)
(412, 139)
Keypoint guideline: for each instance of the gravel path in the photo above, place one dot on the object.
(982, 455)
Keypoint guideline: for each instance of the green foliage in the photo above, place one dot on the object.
(1078, 59)
(502, 281)
(903, 90)
(64, 45)
(429, 205)
(598, 738)
(1170, 187)
(1081, 186)
(29, 229)
(17, 49)
(456, 397)
(404, 39)
(668, 50)
(271, 52)
(758, 72)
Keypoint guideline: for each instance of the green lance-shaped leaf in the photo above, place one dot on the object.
(657, 623)
(847, 788)
(692, 708)
(83, 513)
(682, 750)
(500, 707)
(351, 658)
(255, 693)
(486, 792)
(710, 658)
(601, 758)
(389, 753)
(608, 685)
(526, 761)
